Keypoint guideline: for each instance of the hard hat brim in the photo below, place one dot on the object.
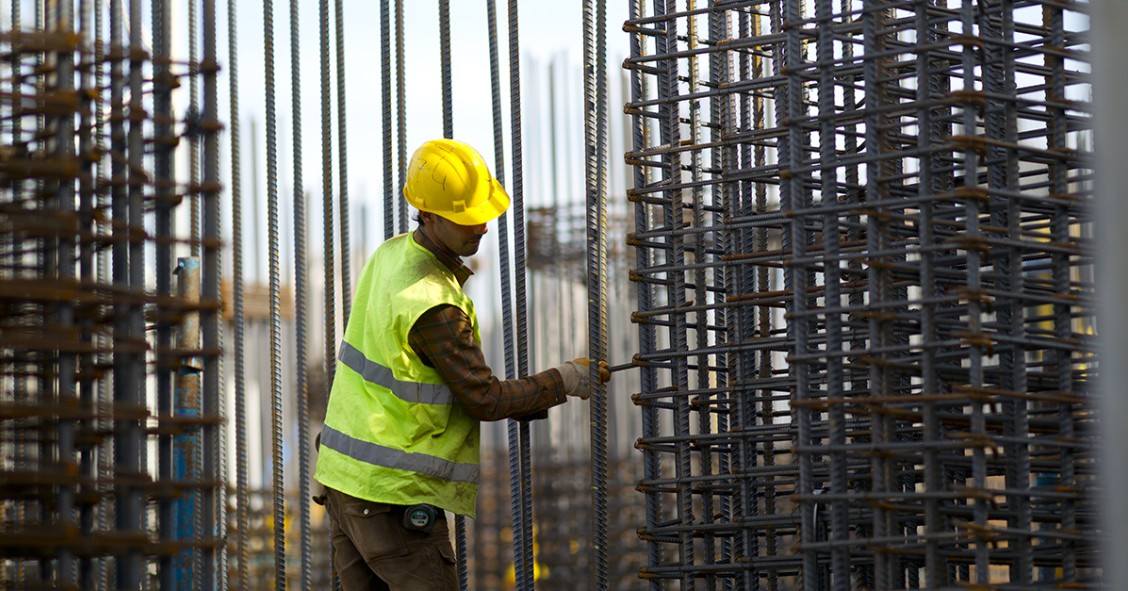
(495, 204)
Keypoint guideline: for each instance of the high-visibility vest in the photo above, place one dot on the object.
(393, 431)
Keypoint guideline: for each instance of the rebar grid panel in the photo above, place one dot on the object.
(102, 360)
(865, 293)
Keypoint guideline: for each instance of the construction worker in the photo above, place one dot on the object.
(400, 441)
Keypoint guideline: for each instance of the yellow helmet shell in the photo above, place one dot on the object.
(449, 178)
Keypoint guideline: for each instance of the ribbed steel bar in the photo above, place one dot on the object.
(647, 339)
(444, 68)
(932, 179)
(731, 197)
(135, 150)
(327, 202)
(343, 163)
(891, 166)
(827, 191)
(214, 400)
(242, 524)
(164, 167)
(793, 195)
(460, 541)
(595, 165)
(87, 452)
(401, 117)
(1063, 272)
(506, 293)
(66, 377)
(301, 384)
(386, 104)
(279, 508)
(193, 137)
(513, 428)
(517, 191)
(211, 330)
(701, 248)
(974, 268)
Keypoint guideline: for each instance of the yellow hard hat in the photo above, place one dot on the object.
(449, 178)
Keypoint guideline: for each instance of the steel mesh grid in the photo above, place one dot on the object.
(865, 294)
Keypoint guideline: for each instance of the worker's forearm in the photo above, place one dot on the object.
(444, 338)
(505, 399)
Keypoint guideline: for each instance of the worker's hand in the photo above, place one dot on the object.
(604, 370)
(577, 376)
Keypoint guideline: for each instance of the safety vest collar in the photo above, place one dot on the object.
(378, 455)
(379, 375)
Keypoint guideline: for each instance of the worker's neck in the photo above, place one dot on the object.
(446, 256)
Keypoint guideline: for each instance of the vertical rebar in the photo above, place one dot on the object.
(300, 287)
(302, 385)
(595, 133)
(647, 339)
(87, 274)
(343, 164)
(127, 366)
(390, 199)
(444, 57)
(66, 376)
(210, 320)
(279, 502)
(401, 118)
(164, 167)
(192, 117)
(239, 313)
(327, 203)
(517, 192)
(515, 491)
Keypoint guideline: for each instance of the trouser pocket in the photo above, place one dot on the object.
(374, 528)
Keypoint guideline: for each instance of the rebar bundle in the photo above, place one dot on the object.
(865, 293)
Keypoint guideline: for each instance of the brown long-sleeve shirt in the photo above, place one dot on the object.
(444, 340)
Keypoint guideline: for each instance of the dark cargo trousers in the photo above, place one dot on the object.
(373, 551)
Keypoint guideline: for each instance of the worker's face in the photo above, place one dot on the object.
(461, 240)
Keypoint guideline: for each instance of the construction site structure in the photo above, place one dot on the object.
(839, 253)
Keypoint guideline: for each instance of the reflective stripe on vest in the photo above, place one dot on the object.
(381, 376)
(387, 457)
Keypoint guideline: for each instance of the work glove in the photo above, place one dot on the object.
(577, 378)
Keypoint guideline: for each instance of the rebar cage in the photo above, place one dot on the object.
(91, 320)
(865, 293)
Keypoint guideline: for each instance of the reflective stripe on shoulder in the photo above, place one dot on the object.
(378, 455)
(382, 376)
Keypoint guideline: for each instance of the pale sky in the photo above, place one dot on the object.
(548, 30)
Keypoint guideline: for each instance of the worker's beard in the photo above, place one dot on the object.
(470, 247)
